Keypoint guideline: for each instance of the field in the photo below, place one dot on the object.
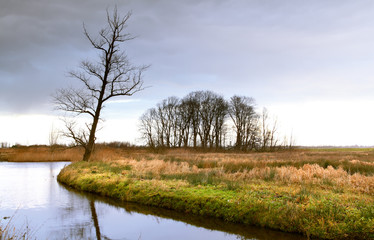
(56, 153)
(322, 193)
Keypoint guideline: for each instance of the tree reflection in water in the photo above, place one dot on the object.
(57, 212)
(95, 220)
(98, 210)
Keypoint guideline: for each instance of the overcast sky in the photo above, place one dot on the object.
(311, 63)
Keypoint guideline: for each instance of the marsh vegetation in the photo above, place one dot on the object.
(324, 194)
(44, 209)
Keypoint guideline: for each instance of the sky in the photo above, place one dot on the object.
(310, 63)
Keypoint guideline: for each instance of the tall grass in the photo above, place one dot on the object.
(322, 194)
(9, 232)
(325, 194)
(50, 154)
(41, 154)
(312, 174)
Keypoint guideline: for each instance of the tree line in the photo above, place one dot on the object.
(205, 119)
(200, 119)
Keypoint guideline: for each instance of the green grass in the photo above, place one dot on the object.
(307, 209)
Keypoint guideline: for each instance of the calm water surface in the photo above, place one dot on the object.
(31, 195)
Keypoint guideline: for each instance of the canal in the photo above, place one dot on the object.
(33, 202)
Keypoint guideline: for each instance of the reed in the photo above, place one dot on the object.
(54, 154)
(9, 232)
(327, 194)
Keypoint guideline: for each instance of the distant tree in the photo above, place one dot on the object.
(193, 102)
(206, 111)
(269, 132)
(288, 142)
(170, 106)
(291, 142)
(200, 119)
(202, 114)
(53, 137)
(147, 127)
(252, 135)
(220, 111)
(265, 132)
(167, 119)
(185, 114)
(274, 140)
(112, 75)
(243, 115)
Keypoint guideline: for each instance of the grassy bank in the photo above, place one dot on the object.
(319, 194)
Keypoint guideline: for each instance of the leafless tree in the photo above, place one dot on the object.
(193, 101)
(169, 107)
(4, 145)
(220, 110)
(200, 120)
(53, 137)
(291, 142)
(207, 116)
(265, 132)
(243, 115)
(147, 127)
(288, 142)
(273, 135)
(112, 75)
(185, 112)
(269, 132)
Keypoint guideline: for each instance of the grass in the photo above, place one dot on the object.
(40, 154)
(55, 154)
(321, 194)
(9, 232)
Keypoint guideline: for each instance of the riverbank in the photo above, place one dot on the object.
(325, 195)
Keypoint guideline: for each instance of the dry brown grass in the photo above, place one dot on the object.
(330, 170)
(309, 174)
(324, 194)
(48, 154)
(351, 170)
(40, 154)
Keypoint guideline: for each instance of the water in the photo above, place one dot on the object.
(37, 203)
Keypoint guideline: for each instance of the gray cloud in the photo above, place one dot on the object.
(272, 50)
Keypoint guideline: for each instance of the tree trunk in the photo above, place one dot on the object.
(95, 219)
(91, 141)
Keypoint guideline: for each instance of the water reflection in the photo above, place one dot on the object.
(56, 212)
(94, 219)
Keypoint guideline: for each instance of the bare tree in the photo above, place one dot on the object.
(220, 110)
(192, 105)
(167, 111)
(4, 145)
(265, 132)
(147, 125)
(53, 137)
(185, 113)
(200, 119)
(269, 132)
(112, 75)
(242, 113)
(273, 135)
(206, 117)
